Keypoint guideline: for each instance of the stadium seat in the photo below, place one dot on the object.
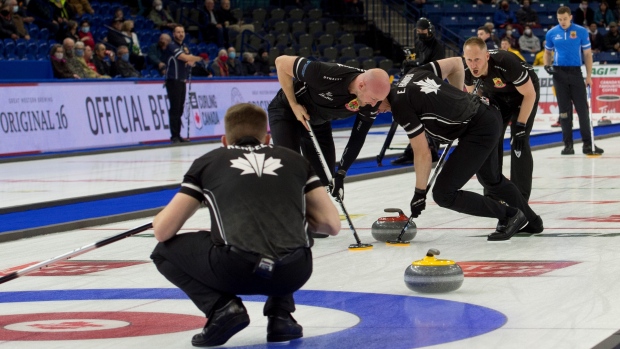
(347, 39)
(9, 48)
(330, 53)
(352, 63)
(280, 27)
(369, 64)
(326, 39)
(348, 51)
(259, 15)
(305, 52)
(296, 14)
(366, 52)
(289, 51)
(386, 64)
(315, 27)
(306, 40)
(277, 14)
(315, 14)
(332, 27)
(609, 57)
(298, 27)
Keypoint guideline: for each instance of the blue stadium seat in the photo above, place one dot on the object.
(609, 57)
(9, 48)
(450, 22)
(32, 48)
(29, 57)
(433, 12)
(529, 57)
(44, 34)
(20, 50)
(452, 10)
(43, 50)
(547, 21)
(33, 31)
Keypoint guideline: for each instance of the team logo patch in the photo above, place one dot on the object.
(354, 105)
(498, 83)
(573, 34)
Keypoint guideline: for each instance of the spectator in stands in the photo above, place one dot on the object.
(596, 38)
(504, 15)
(529, 42)
(615, 8)
(123, 66)
(88, 58)
(491, 27)
(18, 18)
(201, 68)
(219, 66)
(118, 14)
(59, 64)
(262, 62)
(485, 34)
(248, 67)
(104, 60)
(70, 31)
(62, 12)
(79, 52)
(526, 15)
(157, 52)
(611, 40)
(505, 45)
(233, 63)
(583, 15)
(131, 38)
(22, 12)
(8, 29)
(160, 16)
(603, 15)
(230, 23)
(212, 27)
(85, 35)
(512, 36)
(115, 37)
(80, 7)
(74, 64)
(43, 15)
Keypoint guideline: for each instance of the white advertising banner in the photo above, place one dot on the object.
(50, 117)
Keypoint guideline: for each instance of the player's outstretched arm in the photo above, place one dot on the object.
(321, 213)
(453, 69)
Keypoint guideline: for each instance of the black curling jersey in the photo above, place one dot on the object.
(323, 88)
(505, 72)
(422, 101)
(255, 194)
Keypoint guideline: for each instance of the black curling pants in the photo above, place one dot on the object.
(521, 164)
(288, 132)
(206, 272)
(176, 95)
(476, 154)
(570, 89)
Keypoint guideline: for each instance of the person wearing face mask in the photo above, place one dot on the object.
(220, 64)
(583, 15)
(512, 36)
(233, 63)
(526, 15)
(71, 57)
(8, 27)
(529, 42)
(85, 34)
(59, 64)
(123, 66)
(427, 49)
(156, 55)
(79, 53)
(504, 16)
(160, 16)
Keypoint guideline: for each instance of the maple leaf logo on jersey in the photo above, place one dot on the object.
(428, 86)
(256, 163)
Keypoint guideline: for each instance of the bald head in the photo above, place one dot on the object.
(371, 87)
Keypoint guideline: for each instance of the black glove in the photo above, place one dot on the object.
(518, 140)
(418, 203)
(549, 69)
(337, 185)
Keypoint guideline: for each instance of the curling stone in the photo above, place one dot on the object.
(388, 228)
(604, 121)
(432, 275)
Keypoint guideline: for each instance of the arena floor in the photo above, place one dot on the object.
(558, 289)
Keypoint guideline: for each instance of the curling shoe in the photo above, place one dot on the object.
(534, 227)
(587, 149)
(283, 328)
(568, 149)
(510, 225)
(223, 324)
